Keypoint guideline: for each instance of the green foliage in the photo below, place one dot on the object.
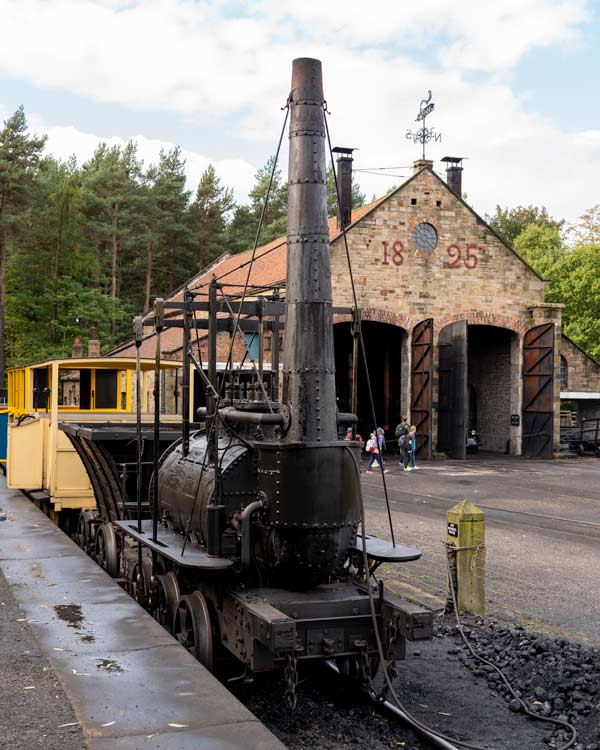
(509, 223)
(208, 217)
(575, 281)
(540, 246)
(572, 270)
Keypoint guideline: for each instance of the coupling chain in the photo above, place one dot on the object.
(290, 676)
(365, 669)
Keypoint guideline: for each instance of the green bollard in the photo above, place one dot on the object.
(465, 544)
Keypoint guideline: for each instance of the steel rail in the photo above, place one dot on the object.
(560, 519)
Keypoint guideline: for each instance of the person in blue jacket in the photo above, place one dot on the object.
(411, 449)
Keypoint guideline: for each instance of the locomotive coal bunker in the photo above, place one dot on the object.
(255, 545)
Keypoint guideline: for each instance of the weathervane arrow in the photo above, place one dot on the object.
(424, 134)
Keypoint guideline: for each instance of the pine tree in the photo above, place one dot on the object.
(208, 216)
(19, 158)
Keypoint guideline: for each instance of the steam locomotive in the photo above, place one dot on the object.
(249, 536)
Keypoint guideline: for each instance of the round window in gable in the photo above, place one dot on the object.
(425, 237)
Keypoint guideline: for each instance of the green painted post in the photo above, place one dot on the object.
(465, 542)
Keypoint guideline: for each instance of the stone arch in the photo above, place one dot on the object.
(483, 319)
(376, 315)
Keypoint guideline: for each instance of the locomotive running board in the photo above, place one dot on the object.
(169, 544)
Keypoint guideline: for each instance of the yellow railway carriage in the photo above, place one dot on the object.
(46, 397)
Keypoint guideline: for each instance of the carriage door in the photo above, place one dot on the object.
(538, 391)
(421, 384)
(452, 391)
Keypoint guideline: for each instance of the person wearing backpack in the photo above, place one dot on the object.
(373, 447)
(401, 433)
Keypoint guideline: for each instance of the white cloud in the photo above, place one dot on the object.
(187, 57)
(66, 140)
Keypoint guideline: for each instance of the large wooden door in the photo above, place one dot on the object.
(421, 384)
(452, 390)
(538, 391)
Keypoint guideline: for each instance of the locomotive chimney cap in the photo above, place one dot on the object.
(454, 160)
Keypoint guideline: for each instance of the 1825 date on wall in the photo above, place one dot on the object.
(467, 255)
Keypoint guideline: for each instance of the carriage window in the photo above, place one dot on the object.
(106, 389)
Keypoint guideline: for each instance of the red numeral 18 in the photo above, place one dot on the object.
(397, 257)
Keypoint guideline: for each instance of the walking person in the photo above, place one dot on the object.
(411, 449)
(374, 445)
(401, 433)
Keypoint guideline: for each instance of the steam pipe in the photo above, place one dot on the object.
(250, 417)
(246, 524)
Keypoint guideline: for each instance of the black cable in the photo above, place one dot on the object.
(531, 714)
(421, 725)
(360, 335)
(260, 223)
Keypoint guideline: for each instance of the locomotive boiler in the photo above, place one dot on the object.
(250, 540)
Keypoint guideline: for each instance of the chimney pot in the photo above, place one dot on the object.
(94, 344)
(344, 182)
(420, 164)
(454, 173)
(77, 352)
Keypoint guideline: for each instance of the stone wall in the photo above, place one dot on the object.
(469, 270)
(584, 372)
(489, 374)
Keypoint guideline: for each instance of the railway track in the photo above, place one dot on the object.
(548, 522)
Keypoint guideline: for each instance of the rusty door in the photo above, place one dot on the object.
(452, 390)
(538, 391)
(421, 384)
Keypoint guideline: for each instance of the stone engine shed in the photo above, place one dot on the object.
(457, 332)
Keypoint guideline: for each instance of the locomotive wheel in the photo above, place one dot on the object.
(193, 627)
(168, 599)
(107, 550)
(81, 535)
(141, 596)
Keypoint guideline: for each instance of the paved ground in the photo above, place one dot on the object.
(127, 682)
(542, 534)
(34, 710)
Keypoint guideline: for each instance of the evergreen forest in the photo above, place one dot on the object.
(92, 244)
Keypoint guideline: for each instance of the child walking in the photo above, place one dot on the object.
(374, 444)
(410, 449)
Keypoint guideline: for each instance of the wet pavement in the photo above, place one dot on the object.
(542, 535)
(130, 685)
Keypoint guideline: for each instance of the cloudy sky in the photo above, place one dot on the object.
(514, 85)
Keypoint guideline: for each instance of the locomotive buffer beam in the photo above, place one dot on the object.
(262, 626)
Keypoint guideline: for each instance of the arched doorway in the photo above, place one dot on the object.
(386, 350)
(479, 386)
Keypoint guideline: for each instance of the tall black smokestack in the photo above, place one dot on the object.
(344, 182)
(308, 359)
(454, 173)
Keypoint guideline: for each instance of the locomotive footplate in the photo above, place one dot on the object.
(169, 545)
(261, 627)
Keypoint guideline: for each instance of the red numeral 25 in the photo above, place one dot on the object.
(397, 257)
(470, 260)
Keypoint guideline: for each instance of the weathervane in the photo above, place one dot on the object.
(424, 134)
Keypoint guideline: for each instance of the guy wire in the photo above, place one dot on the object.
(360, 332)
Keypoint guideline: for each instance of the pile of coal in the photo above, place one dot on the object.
(554, 677)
